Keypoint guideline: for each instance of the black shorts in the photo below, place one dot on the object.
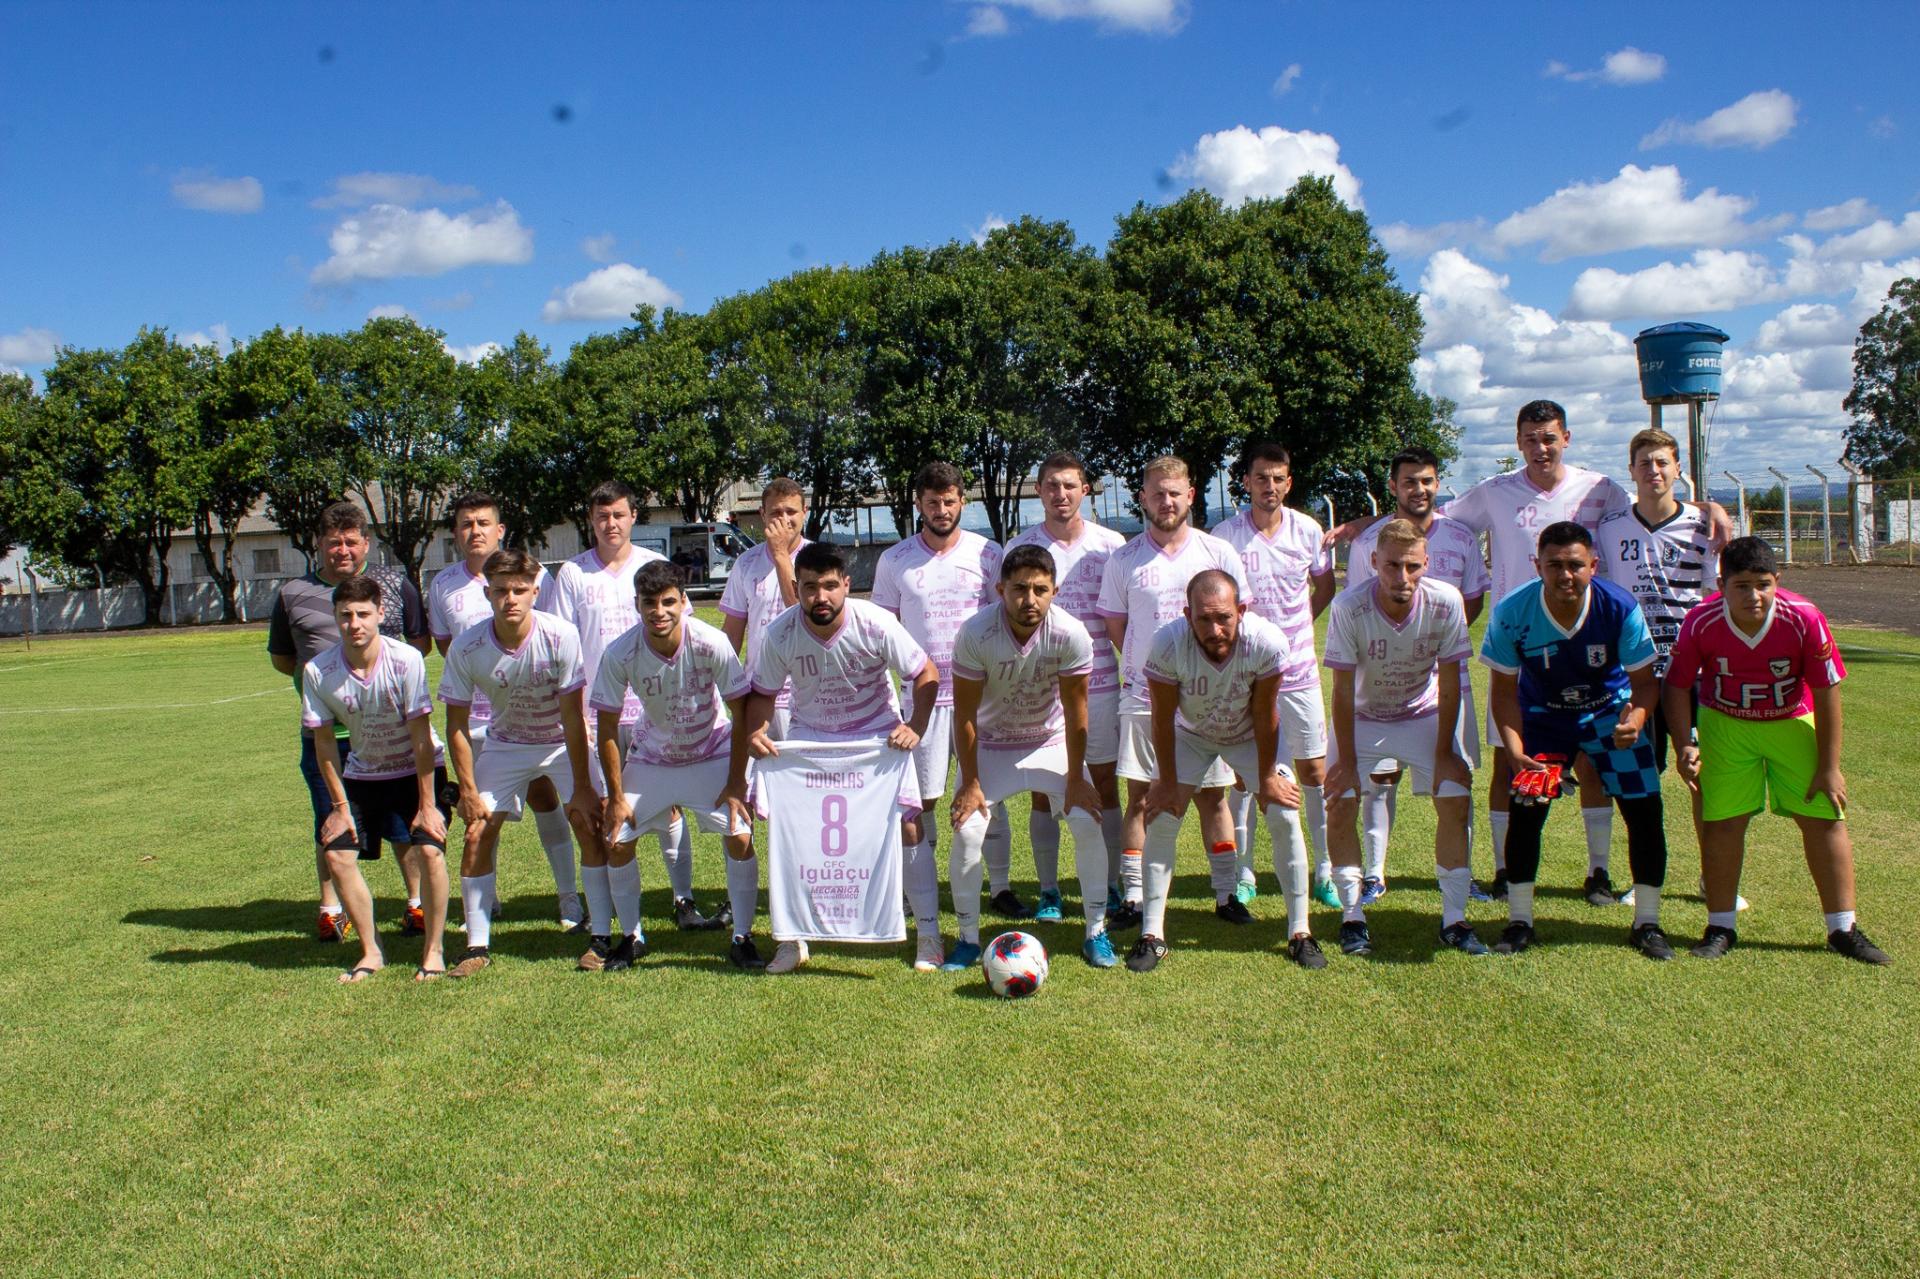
(1660, 729)
(385, 809)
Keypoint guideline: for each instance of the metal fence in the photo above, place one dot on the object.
(1858, 521)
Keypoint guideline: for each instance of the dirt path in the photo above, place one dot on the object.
(1885, 596)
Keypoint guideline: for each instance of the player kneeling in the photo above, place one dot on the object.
(1572, 664)
(1395, 643)
(1020, 724)
(682, 752)
(1768, 677)
(391, 784)
(1212, 676)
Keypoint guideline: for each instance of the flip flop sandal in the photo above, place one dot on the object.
(357, 974)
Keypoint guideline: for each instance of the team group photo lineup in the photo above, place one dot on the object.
(1116, 682)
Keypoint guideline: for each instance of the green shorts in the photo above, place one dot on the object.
(1743, 762)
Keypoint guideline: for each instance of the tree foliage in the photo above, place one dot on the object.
(1884, 437)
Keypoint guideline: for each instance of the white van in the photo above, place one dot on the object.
(705, 551)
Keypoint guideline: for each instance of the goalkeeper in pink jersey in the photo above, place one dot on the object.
(1767, 673)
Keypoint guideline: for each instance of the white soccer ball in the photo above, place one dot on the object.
(1016, 964)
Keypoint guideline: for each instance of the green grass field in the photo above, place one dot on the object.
(187, 1091)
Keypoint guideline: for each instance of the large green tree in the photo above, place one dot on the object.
(291, 382)
(516, 439)
(1884, 437)
(234, 452)
(19, 406)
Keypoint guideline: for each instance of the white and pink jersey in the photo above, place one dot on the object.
(840, 685)
(1770, 675)
(1512, 511)
(933, 592)
(1453, 557)
(752, 595)
(1146, 584)
(456, 599)
(598, 600)
(1216, 698)
(376, 709)
(1020, 705)
(684, 696)
(1077, 569)
(526, 685)
(1396, 664)
(1278, 570)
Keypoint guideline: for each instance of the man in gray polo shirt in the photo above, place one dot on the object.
(303, 627)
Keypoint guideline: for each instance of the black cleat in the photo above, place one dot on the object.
(1650, 941)
(688, 919)
(595, 960)
(1497, 891)
(1146, 953)
(1854, 945)
(1355, 939)
(725, 918)
(1128, 916)
(1007, 904)
(1234, 911)
(1514, 938)
(625, 952)
(744, 954)
(1462, 938)
(1599, 890)
(1305, 951)
(1715, 942)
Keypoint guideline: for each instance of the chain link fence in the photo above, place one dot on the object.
(1856, 521)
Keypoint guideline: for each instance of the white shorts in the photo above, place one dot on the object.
(1039, 770)
(1103, 726)
(1389, 746)
(934, 755)
(1137, 763)
(1303, 723)
(1198, 761)
(653, 791)
(1466, 743)
(505, 770)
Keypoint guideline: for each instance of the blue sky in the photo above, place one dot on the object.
(1550, 178)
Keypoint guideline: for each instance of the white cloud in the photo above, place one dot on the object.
(1636, 209)
(471, 354)
(1288, 78)
(1838, 217)
(218, 195)
(1757, 120)
(599, 248)
(993, 223)
(611, 293)
(387, 241)
(1621, 67)
(1163, 17)
(1881, 239)
(1238, 164)
(214, 335)
(1419, 241)
(1714, 280)
(985, 20)
(356, 190)
(390, 311)
(1804, 325)
(28, 346)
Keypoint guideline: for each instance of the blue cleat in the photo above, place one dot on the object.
(1355, 939)
(1113, 897)
(1475, 893)
(1047, 909)
(1372, 890)
(1324, 893)
(1461, 937)
(1098, 951)
(963, 956)
(1245, 891)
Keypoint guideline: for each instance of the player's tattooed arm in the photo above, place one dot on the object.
(607, 742)
(472, 809)
(1678, 708)
(926, 691)
(968, 798)
(1827, 779)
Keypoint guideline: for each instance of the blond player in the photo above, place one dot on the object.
(761, 585)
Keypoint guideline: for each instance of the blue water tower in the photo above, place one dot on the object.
(1680, 364)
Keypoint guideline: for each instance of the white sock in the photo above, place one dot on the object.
(1242, 804)
(1346, 882)
(1313, 815)
(998, 851)
(1043, 832)
(1497, 819)
(413, 903)
(1646, 904)
(556, 837)
(1453, 894)
(1725, 918)
(1520, 903)
(1112, 823)
(1377, 804)
(922, 874)
(333, 911)
(1599, 824)
(1838, 921)
(676, 851)
(476, 897)
(965, 856)
(1089, 866)
(1290, 864)
(623, 885)
(599, 900)
(1163, 836)
(1223, 869)
(743, 892)
(1132, 875)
